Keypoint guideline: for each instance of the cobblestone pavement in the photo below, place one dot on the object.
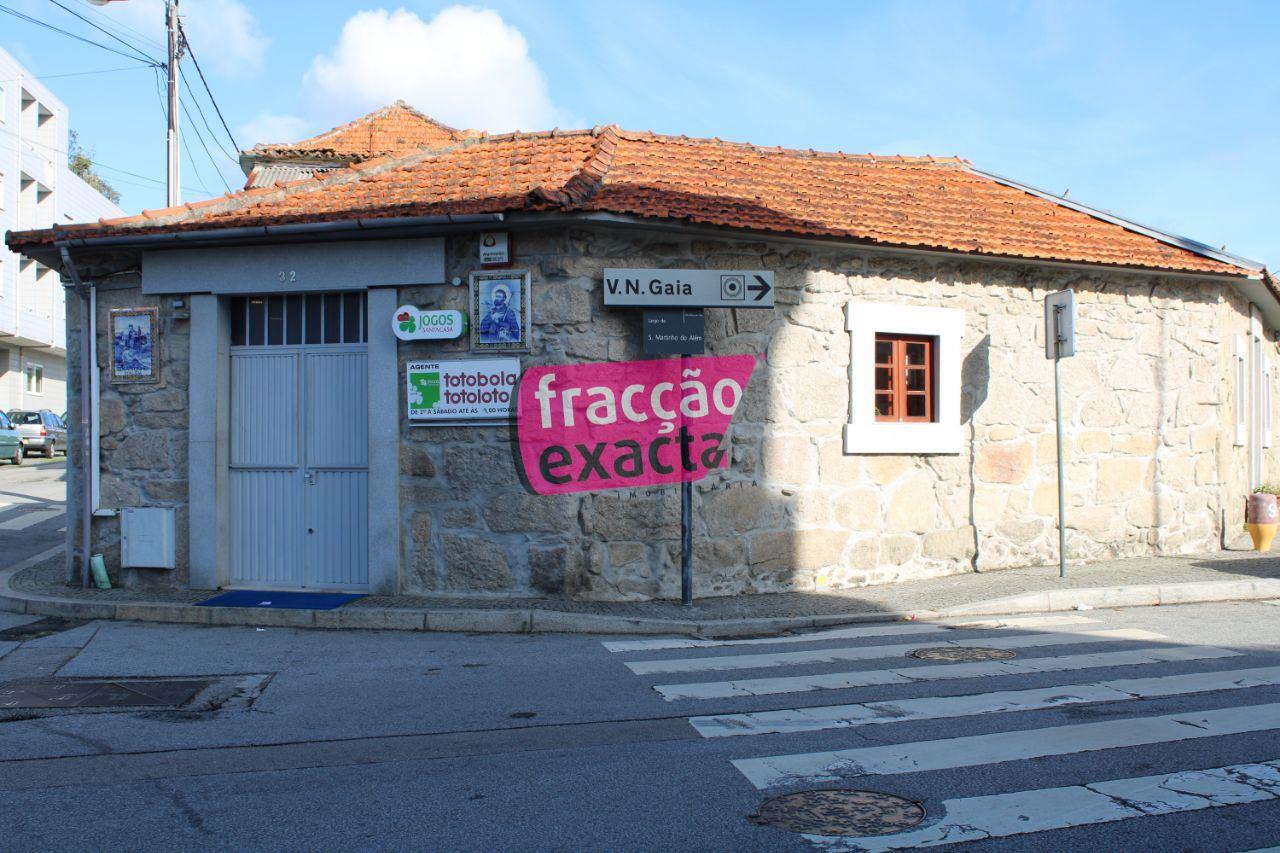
(47, 579)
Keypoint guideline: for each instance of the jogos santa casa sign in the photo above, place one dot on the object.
(414, 324)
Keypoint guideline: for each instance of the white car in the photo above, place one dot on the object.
(42, 431)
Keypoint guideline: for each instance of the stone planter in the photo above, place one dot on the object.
(1261, 518)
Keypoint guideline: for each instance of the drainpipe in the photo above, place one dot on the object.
(87, 346)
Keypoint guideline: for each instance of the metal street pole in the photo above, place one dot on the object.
(686, 518)
(1057, 403)
(172, 153)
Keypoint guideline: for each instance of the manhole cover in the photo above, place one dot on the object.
(39, 628)
(86, 693)
(840, 812)
(962, 653)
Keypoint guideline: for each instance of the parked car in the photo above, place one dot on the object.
(10, 441)
(42, 431)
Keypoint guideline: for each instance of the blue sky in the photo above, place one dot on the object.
(1165, 112)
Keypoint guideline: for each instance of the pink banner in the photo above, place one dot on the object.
(618, 425)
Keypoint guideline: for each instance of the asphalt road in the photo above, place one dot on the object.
(32, 508)
(338, 740)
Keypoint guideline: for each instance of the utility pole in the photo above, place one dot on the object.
(172, 152)
(172, 182)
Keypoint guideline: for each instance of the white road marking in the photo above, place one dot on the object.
(933, 708)
(28, 519)
(848, 633)
(849, 653)
(1025, 812)
(975, 750)
(906, 675)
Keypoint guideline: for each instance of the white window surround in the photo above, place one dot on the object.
(35, 379)
(863, 433)
(1241, 389)
(1266, 402)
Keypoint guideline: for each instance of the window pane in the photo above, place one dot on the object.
(333, 318)
(293, 319)
(884, 405)
(884, 378)
(916, 353)
(275, 320)
(313, 318)
(884, 352)
(257, 320)
(915, 405)
(915, 379)
(237, 321)
(351, 318)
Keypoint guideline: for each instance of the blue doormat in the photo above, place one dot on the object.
(273, 599)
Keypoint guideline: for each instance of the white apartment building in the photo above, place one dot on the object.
(37, 190)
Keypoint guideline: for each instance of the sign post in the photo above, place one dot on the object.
(1060, 343)
(679, 331)
(682, 331)
(686, 516)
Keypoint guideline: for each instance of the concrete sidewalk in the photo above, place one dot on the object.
(1223, 576)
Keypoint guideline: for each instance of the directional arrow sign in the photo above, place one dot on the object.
(641, 288)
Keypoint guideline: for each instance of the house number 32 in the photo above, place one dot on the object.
(287, 276)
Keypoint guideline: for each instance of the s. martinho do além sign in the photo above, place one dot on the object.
(462, 389)
(617, 425)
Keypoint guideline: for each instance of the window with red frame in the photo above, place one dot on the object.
(905, 378)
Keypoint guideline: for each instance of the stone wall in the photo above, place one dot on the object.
(143, 434)
(1150, 463)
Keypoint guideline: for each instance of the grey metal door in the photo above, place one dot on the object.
(299, 443)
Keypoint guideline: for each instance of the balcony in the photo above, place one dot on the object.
(8, 319)
(37, 330)
(36, 164)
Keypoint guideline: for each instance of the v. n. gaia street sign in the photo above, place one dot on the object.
(645, 288)
(414, 324)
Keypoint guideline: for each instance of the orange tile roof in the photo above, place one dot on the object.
(394, 129)
(914, 202)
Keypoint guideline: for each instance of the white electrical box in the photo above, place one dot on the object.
(146, 538)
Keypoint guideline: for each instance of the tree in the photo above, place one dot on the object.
(81, 162)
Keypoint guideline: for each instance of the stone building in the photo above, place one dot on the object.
(841, 473)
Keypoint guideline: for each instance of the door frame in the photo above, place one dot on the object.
(209, 491)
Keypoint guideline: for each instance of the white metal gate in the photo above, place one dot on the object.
(299, 442)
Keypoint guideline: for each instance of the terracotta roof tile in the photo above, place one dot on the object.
(394, 129)
(922, 202)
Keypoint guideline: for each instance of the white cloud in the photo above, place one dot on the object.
(465, 67)
(270, 127)
(224, 34)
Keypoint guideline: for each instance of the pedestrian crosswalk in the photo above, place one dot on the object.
(1132, 703)
(14, 521)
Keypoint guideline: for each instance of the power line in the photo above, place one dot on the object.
(200, 137)
(74, 73)
(20, 16)
(107, 20)
(104, 30)
(200, 110)
(97, 163)
(190, 52)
